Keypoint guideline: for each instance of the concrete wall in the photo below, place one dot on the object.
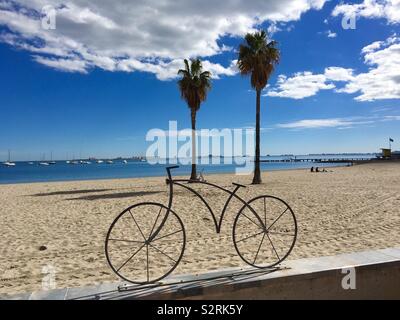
(375, 281)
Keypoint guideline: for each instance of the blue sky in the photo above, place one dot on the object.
(335, 93)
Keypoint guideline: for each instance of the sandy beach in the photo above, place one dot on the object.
(344, 210)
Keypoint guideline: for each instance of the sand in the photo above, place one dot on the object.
(345, 210)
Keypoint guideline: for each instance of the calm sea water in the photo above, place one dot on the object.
(24, 172)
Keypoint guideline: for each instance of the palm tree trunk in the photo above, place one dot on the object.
(193, 175)
(257, 172)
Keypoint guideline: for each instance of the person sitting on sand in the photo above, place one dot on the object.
(312, 169)
(316, 169)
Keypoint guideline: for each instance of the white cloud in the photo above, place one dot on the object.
(306, 84)
(372, 47)
(69, 65)
(301, 85)
(146, 35)
(273, 28)
(381, 81)
(331, 34)
(315, 123)
(338, 74)
(339, 123)
(387, 9)
(392, 118)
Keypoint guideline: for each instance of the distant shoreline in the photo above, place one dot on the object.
(164, 175)
(121, 171)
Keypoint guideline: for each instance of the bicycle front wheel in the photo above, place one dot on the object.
(131, 251)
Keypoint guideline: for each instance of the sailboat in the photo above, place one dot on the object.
(51, 159)
(8, 163)
(43, 163)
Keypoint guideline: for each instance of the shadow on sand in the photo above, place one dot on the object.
(69, 192)
(114, 195)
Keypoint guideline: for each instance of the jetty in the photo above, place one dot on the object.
(322, 160)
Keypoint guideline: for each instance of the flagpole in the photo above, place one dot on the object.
(390, 144)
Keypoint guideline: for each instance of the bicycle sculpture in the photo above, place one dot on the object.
(264, 233)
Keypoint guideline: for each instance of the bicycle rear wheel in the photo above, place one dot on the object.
(265, 237)
(131, 254)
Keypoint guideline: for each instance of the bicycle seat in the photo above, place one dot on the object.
(238, 185)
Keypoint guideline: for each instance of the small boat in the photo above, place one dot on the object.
(124, 161)
(99, 161)
(51, 162)
(43, 162)
(110, 161)
(8, 163)
(31, 163)
(67, 162)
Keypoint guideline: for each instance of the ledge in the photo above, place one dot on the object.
(377, 277)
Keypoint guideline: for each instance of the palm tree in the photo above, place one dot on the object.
(257, 58)
(194, 86)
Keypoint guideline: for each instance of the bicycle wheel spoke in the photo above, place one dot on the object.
(162, 252)
(168, 235)
(265, 213)
(131, 257)
(155, 222)
(137, 225)
(277, 219)
(252, 221)
(252, 236)
(282, 233)
(273, 247)
(147, 253)
(259, 247)
(124, 240)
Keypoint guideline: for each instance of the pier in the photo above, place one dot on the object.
(333, 160)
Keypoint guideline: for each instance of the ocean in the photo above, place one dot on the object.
(24, 172)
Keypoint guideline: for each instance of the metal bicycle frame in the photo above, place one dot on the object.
(179, 182)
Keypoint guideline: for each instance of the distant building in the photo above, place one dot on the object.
(386, 153)
(389, 154)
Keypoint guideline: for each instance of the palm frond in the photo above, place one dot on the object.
(194, 83)
(257, 58)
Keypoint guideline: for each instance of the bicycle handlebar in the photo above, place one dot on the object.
(169, 171)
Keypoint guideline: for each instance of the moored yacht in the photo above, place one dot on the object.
(8, 163)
